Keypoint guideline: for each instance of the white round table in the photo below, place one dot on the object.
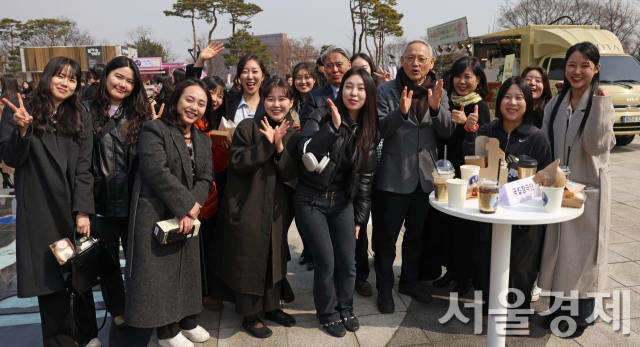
(526, 213)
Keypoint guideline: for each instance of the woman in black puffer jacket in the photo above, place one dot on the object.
(333, 195)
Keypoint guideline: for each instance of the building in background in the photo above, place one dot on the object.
(34, 59)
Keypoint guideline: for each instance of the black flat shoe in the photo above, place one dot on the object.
(415, 292)
(579, 331)
(385, 301)
(546, 323)
(463, 287)
(310, 266)
(363, 288)
(351, 324)
(261, 333)
(281, 318)
(444, 280)
(303, 260)
(335, 329)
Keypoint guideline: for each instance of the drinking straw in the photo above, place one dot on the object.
(498, 172)
(435, 165)
(445, 153)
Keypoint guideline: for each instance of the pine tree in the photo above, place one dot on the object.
(241, 43)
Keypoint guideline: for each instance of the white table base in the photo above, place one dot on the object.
(500, 264)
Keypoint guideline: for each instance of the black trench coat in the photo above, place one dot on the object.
(53, 182)
(163, 281)
(255, 210)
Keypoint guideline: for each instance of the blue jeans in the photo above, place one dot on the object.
(326, 219)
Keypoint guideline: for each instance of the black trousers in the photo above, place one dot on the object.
(525, 243)
(56, 323)
(398, 208)
(111, 231)
(328, 225)
(362, 255)
(171, 330)
(207, 229)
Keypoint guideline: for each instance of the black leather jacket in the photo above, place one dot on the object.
(114, 165)
(340, 173)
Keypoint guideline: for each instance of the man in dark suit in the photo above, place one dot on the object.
(413, 109)
(336, 64)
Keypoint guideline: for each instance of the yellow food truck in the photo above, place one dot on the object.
(546, 45)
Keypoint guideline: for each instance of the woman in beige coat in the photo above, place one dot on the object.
(579, 122)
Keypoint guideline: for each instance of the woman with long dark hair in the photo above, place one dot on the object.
(9, 86)
(579, 123)
(119, 109)
(333, 195)
(517, 136)
(250, 75)
(174, 180)
(467, 86)
(48, 141)
(178, 76)
(250, 250)
(304, 81)
(538, 80)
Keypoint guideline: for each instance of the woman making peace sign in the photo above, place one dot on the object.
(49, 142)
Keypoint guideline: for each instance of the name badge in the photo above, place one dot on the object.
(519, 191)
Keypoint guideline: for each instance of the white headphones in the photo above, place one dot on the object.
(311, 163)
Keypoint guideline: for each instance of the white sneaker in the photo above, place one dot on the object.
(176, 341)
(94, 343)
(198, 334)
(535, 293)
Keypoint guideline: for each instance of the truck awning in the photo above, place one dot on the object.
(547, 41)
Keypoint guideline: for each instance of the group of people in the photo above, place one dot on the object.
(115, 164)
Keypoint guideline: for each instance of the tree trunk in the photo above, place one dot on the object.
(215, 24)
(362, 24)
(195, 42)
(355, 31)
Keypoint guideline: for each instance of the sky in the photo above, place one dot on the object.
(328, 21)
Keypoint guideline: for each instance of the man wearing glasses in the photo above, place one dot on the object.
(413, 110)
(336, 64)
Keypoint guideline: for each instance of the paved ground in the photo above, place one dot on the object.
(413, 324)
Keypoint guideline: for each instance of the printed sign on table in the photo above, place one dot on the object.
(519, 191)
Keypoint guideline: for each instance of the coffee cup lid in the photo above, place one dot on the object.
(444, 166)
(526, 161)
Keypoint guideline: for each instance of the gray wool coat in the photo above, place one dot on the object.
(405, 160)
(53, 182)
(163, 281)
(575, 252)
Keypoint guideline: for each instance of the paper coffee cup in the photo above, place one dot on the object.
(551, 199)
(470, 174)
(457, 192)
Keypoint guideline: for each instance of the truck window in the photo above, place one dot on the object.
(556, 69)
(619, 69)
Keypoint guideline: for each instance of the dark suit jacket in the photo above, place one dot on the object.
(234, 102)
(53, 182)
(315, 98)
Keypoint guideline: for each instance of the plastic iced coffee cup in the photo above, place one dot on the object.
(469, 173)
(565, 170)
(443, 172)
(488, 194)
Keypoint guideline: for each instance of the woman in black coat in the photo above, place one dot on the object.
(333, 195)
(174, 180)
(451, 237)
(250, 249)
(119, 109)
(49, 143)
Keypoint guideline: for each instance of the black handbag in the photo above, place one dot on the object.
(89, 265)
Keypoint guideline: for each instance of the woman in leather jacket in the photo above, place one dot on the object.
(333, 195)
(119, 109)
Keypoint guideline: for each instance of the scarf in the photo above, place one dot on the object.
(469, 99)
(419, 102)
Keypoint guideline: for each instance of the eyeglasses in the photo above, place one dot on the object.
(421, 60)
(330, 66)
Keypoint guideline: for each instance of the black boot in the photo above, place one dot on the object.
(462, 287)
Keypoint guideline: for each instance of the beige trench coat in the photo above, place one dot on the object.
(575, 252)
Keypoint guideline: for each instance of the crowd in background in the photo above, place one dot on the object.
(327, 146)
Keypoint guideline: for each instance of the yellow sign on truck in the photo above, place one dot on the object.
(546, 46)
